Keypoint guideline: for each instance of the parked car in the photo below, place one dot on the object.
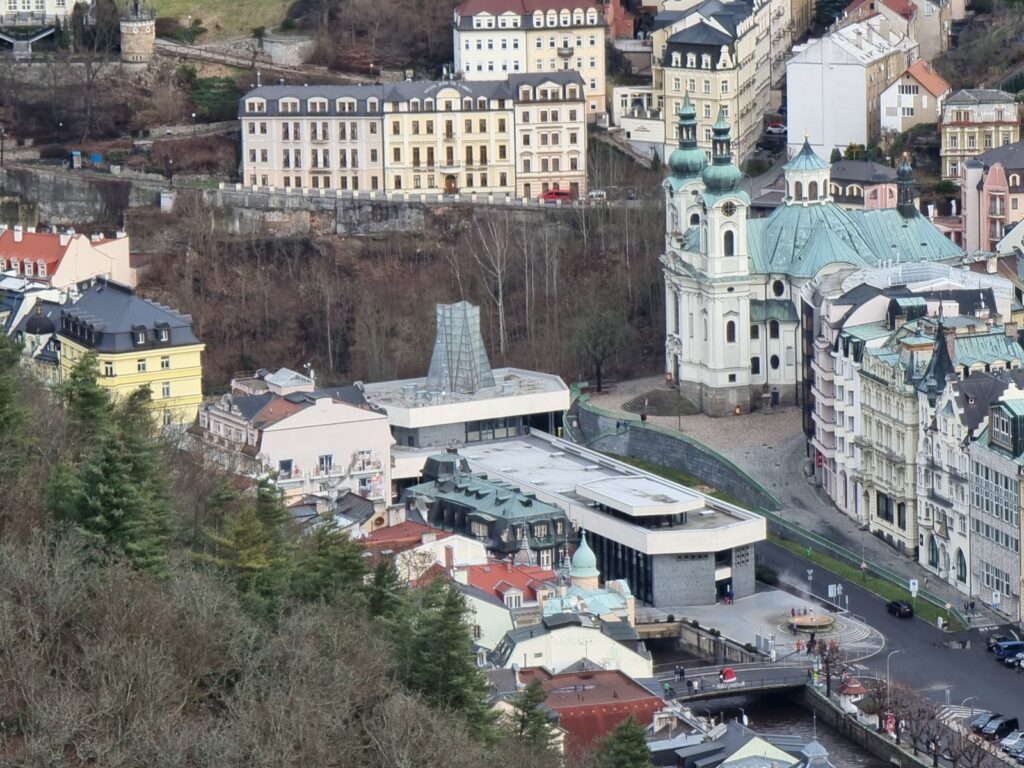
(772, 143)
(978, 723)
(597, 194)
(1012, 740)
(776, 129)
(990, 643)
(1014, 661)
(900, 608)
(555, 195)
(1008, 648)
(631, 194)
(998, 727)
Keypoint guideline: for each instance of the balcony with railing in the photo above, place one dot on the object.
(566, 51)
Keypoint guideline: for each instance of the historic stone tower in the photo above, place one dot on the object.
(138, 34)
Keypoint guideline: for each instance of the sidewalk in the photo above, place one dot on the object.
(770, 446)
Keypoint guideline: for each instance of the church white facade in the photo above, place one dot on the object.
(734, 327)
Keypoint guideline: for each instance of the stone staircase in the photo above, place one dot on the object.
(661, 402)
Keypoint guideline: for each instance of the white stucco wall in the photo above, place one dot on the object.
(558, 649)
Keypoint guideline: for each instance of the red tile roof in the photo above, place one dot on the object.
(496, 578)
(33, 246)
(931, 80)
(399, 538)
(591, 704)
(904, 8)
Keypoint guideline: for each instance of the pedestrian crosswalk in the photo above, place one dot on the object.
(949, 713)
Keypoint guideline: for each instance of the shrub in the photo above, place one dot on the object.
(766, 574)
(756, 167)
(695, 624)
(714, 632)
(288, 24)
(945, 187)
(216, 98)
(671, 618)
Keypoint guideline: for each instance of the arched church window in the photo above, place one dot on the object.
(773, 330)
(778, 288)
(705, 326)
(729, 243)
(694, 219)
(961, 566)
(798, 191)
(812, 190)
(730, 332)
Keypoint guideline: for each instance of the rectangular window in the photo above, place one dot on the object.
(165, 363)
(108, 368)
(165, 389)
(140, 365)
(325, 462)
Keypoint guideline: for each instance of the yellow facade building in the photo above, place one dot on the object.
(138, 343)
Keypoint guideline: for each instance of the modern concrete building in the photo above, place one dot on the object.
(462, 399)
(519, 136)
(496, 39)
(318, 441)
(674, 546)
(975, 121)
(834, 84)
(735, 333)
(914, 98)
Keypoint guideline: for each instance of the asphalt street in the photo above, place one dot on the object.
(919, 654)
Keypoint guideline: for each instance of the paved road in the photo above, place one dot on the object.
(925, 660)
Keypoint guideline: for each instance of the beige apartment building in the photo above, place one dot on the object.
(726, 56)
(520, 136)
(975, 121)
(495, 39)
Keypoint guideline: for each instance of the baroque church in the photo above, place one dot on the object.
(735, 328)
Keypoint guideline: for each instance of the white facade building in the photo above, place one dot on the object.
(834, 84)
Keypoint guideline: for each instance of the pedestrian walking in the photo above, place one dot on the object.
(792, 613)
(682, 672)
(677, 671)
(972, 608)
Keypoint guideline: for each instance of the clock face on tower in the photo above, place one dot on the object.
(729, 208)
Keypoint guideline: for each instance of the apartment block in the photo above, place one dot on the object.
(975, 121)
(494, 39)
(835, 83)
(991, 197)
(522, 136)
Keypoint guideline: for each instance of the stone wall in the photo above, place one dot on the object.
(683, 579)
(632, 438)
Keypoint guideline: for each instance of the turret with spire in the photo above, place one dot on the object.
(687, 160)
(905, 189)
(722, 175)
(807, 177)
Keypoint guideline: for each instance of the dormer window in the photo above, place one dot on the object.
(28, 269)
(165, 335)
(15, 264)
(41, 268)
(140, 337)
(1001, 429)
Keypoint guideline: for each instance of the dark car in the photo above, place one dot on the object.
(1008, 648)
(998, 727)
(900, 608)
(771, 143)
(990, 643)
(979, 723)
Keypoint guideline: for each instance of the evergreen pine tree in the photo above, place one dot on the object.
(243, 549)
(271, 511)
(328, 561)
(384, 593)
(530, 720)
(836, 155)
(625, 747)
(440, 664)
(86, 401)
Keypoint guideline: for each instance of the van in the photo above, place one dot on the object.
(998, 727)
(597, 194)
(556, 195)
(1008, 648)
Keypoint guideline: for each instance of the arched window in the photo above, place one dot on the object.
(812, 190)
(694, 219)
(798, 191)
(961, 567)
(730, 332)
(773, 361)
(729, 243)
(705, 318)
(773, 330)
(933, 552)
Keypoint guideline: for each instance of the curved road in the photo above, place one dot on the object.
(926, 661)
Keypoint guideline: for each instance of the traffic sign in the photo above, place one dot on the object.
(913, 587)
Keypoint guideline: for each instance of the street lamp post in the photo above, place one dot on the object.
(887, 679)
(964, 703)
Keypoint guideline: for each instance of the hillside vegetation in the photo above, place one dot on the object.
(225, 18)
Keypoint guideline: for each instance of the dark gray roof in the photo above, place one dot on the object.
(354, 507)
(426, 89)
(700, 34)
(863, 171)
(562, 77)
(976, 394)
(980, 95)
(1011, 156)
(250, 405)
(108, 315)
(273, 93)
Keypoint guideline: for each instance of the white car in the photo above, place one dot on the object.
(776, 129)
(1015, 738)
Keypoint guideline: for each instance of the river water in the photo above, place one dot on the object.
(775, 714)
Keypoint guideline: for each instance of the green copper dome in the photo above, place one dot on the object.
(721, 176)
(806, 160)
(584, 561)
(688, 160)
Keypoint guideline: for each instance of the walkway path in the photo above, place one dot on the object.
(771, 447)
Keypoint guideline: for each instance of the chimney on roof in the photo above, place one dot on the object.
(95, 238)
(992, 264)
(121, 234)
(30, 229)
(449, 558)
(18, 233)
(1010, 327)
(859, 38)
(65, 238)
